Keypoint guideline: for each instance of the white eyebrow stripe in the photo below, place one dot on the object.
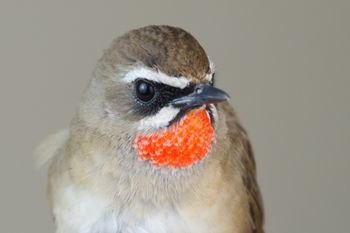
(209, 76)
(160, 77)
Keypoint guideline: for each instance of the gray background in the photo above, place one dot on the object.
(286, 65)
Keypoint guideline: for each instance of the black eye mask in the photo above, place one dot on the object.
(164, 94)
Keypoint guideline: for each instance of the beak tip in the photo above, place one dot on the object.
(225, 96)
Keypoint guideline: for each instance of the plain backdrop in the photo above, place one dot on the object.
(286, 65)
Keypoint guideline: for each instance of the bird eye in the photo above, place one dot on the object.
(144, 90)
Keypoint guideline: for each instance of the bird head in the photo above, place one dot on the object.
(154, 87)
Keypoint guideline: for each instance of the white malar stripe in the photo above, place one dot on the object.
(160, 120)
(142, 72)
(214, 113)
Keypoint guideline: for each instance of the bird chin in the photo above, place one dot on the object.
(210, 109)
(181, 144)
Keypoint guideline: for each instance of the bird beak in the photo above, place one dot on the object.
(203, 94)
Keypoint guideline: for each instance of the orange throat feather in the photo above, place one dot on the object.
(181, 144)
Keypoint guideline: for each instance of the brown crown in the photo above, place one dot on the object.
(169, 49)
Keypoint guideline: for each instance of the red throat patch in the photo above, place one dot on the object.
(180, 145)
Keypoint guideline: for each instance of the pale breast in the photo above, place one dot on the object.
(80, 212)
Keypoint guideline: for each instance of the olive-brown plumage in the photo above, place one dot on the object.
(147, 82)
(169, 49)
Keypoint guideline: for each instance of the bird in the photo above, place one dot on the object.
(154, 146)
